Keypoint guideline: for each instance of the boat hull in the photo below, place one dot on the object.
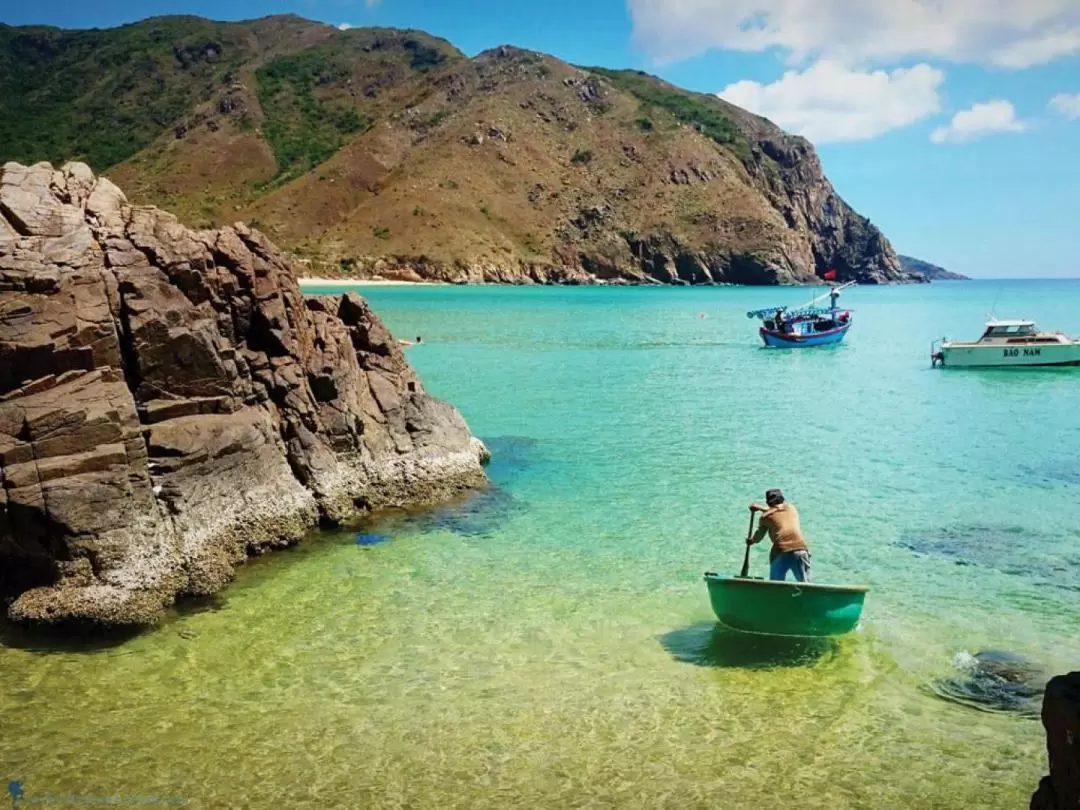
(785, 608)
(1047, 355)
(787, 340)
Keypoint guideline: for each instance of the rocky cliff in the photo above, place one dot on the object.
(170, 403)
(583, 175)
(380, 151)
(1061, 717)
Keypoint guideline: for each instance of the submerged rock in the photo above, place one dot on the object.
(484, 511)
(1034, 554)
(1053, 473)
(968, 544)
(994, 681)
(480, 514)
(371, 539)
(170, 403)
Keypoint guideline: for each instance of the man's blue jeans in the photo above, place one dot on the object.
(797, 562)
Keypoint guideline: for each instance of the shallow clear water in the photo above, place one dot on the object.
(549, 643)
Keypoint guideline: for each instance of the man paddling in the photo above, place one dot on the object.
(780, 520)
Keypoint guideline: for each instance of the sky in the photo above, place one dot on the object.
(954, 125)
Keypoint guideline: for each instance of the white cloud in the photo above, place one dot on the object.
(829, 102)
(988, 118)
(1067, 104)
(1007, 33)
(1038, 50)
(344, 26)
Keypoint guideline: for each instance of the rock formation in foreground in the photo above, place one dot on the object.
(170, 403)
(1061, 717)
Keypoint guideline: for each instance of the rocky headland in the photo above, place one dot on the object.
(170, 403)
(931, 272)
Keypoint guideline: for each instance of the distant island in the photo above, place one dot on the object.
(930, 271)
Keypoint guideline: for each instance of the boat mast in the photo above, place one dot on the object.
(832, 290)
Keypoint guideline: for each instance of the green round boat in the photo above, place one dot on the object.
(785, 608)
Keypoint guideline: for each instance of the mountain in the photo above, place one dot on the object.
(389, 152)
(927, 270)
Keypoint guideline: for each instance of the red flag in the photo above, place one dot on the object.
(830, 275)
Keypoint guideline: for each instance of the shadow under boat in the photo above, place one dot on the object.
(711, 644)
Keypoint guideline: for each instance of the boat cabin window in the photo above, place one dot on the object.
(1010, 330)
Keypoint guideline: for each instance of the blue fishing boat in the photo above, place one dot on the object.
(807, 325)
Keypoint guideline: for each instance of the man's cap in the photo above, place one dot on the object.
(774, 494)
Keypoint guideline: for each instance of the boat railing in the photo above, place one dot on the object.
(802, 312)
(804, 309)
(766, 313)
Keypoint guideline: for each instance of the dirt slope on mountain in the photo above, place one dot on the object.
(377, 151)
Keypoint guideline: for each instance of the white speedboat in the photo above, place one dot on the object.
(1008, 343)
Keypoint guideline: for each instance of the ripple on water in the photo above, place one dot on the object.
(994, 681)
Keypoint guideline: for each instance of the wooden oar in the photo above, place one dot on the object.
(746, 558)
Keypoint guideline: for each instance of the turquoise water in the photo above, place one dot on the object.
(549, 643)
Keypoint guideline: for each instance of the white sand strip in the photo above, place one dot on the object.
(346, 283)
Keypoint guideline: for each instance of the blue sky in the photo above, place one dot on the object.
(953, 124)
